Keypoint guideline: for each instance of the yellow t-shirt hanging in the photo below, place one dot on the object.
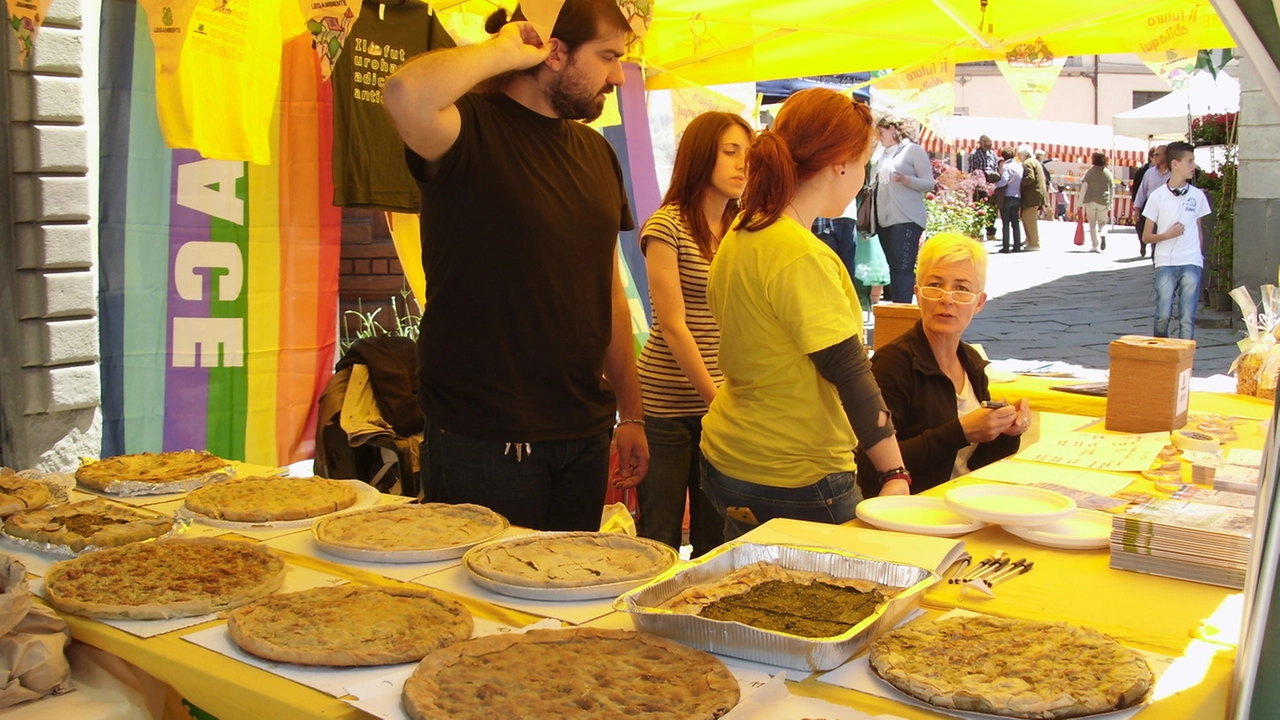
(217, 73)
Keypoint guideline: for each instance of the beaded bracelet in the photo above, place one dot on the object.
(624, 421)
(898, 473)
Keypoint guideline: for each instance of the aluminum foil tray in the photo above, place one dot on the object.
(775, 648)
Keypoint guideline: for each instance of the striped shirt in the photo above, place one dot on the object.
(665, 389)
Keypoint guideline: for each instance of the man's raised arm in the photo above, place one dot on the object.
(420, 96)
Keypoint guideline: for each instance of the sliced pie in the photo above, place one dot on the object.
(18, 494)
(97, 522)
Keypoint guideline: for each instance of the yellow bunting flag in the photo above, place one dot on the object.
(25, 17)
(405, 233)
(689, 101)
(925, 91)
(329, 23)
(542, 15)
(1169, 44)
(1031, 69)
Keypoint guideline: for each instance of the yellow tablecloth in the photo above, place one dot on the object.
(1043, 398)
(1158, 614)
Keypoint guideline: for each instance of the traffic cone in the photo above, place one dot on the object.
(1079, 238)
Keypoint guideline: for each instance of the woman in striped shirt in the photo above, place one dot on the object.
(678, 370)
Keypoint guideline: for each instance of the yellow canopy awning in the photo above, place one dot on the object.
(720, 41)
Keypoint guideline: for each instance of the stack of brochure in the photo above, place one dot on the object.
(1186, 540)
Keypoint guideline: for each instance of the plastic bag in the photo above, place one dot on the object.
(870, 265)
(32, 659)
(1257, 369)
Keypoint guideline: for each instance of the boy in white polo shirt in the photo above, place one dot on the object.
(1172, 224)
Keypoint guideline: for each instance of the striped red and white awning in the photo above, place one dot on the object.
(1067, 153)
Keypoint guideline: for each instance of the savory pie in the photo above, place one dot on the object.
(795, 602)
(569, 560)
(349, 625)
(1014, 668)
(18, 494)
(577, 672)
(96, 522)
(408, 528)
(164, 579)
(270, 499)
(160, 469)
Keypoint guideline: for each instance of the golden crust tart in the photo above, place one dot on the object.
(270, 499)
(1013, 668)
(580, 672)
(167, 578)
(349, 625)
(158, 468)
(96, 522)
(18, 494)
(569, 560)
(409, 528)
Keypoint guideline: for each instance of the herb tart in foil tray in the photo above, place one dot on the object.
(650, 605)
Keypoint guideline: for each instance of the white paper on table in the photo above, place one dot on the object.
(1018, 472)
(857, 675)
(928, 552)
(455, 580)
(381, 697)
(774, 700)
(1097, 451)
(328, 679)
(295, 578)
(1245, 456)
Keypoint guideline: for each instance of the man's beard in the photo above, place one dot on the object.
(572, 100)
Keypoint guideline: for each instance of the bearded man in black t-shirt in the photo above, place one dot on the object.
(526, 359)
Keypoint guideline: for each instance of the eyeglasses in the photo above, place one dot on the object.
(959, 297)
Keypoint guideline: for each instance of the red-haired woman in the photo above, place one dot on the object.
(678, 370)
(798, 393)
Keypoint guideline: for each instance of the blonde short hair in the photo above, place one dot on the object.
(952, 247)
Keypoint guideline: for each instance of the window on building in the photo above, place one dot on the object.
(1142, 97)
(1074, 61)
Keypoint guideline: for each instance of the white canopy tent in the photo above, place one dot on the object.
(1167, 118)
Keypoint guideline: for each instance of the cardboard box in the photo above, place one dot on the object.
(1150, 383)
(892, 319)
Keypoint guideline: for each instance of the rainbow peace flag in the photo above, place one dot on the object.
(218, 279)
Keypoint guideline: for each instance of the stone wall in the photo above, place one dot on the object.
(52, 393)
(1257, 216)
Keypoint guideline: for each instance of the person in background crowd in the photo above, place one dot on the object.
(903, 176)
(985, 159)
(934, 384)
(1035, 195)
(1009, 190)
(1172, 218)
(525, 308)
(1156, 175)
(1095, 188)
(1059, 202)
(798, 393)
(679, 374)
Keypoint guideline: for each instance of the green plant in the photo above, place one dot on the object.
(1214, 129)
(402, 313)
(1220, 245)
(951, 212)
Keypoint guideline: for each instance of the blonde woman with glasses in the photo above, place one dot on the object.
(935, 385)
